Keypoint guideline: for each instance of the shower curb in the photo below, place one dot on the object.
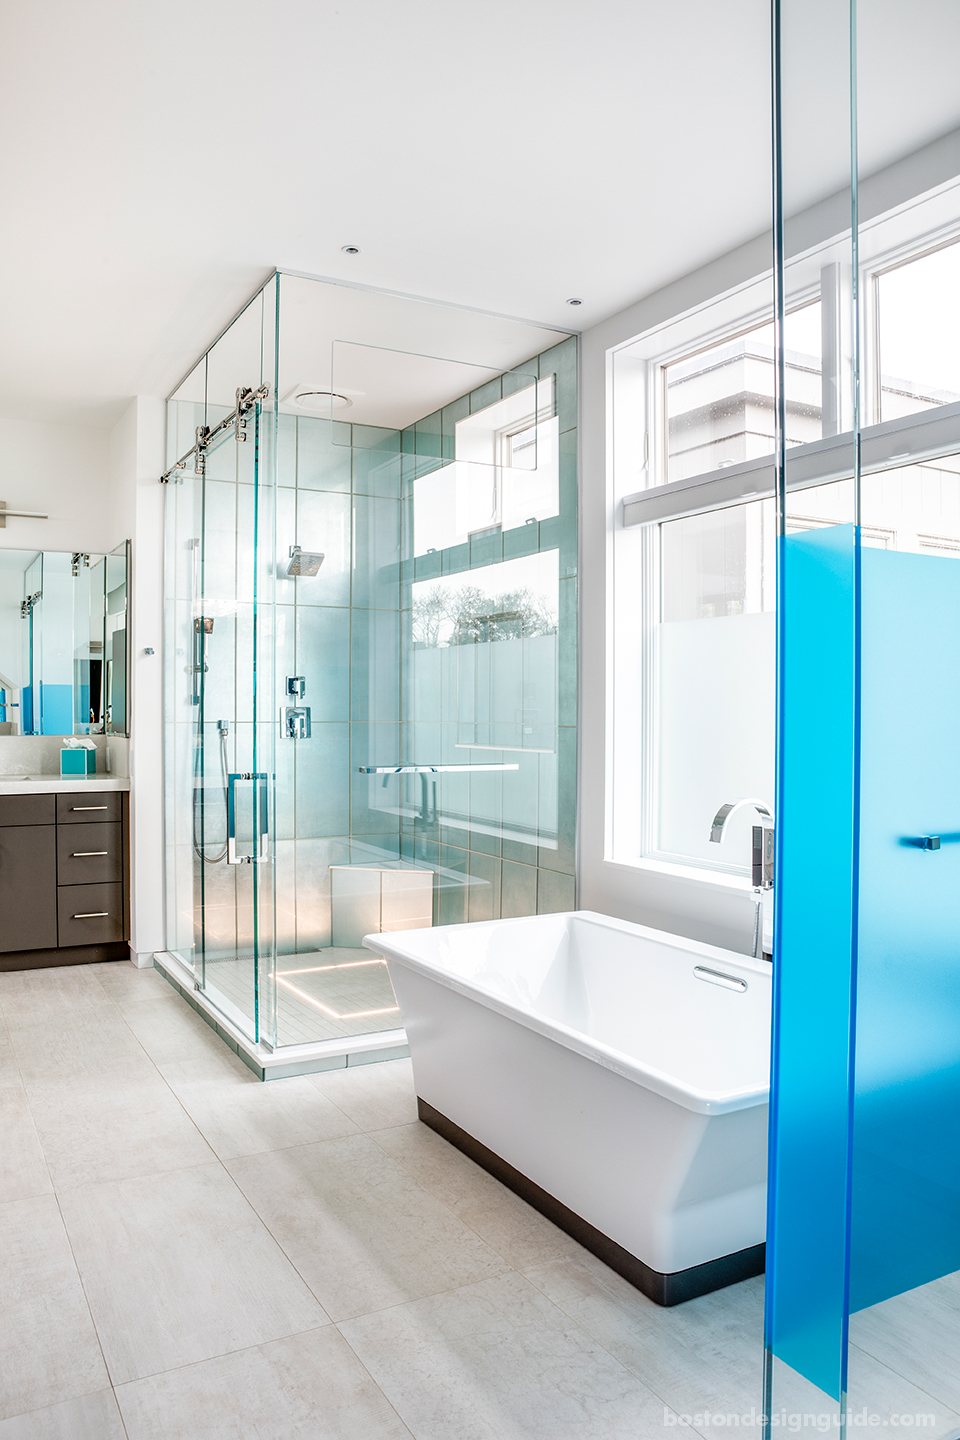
(291, 1060)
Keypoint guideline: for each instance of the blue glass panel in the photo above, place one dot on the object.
(808, 1183)
(906, 1165)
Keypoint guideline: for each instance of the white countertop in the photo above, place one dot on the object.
(60, 784)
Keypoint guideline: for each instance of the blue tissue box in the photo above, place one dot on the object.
(78, 762)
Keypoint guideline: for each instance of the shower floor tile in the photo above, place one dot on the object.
(321, 995)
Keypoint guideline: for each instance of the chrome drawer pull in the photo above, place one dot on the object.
(89, 807)
(78, 854)
(92, 915)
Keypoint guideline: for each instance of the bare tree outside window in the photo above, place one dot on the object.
(464, 615)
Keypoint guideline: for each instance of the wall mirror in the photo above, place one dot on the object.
(64, 642)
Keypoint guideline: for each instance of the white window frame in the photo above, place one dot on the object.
(636, 451)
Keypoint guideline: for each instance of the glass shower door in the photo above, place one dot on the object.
(220, 629)
(863, 1242)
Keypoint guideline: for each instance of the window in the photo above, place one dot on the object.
(715, 644)
(692, 695)
(918, 320)
(718, 403)
(716, 657)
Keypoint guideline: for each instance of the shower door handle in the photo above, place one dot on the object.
(261, 815)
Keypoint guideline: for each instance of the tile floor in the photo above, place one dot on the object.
(188, 1254)
(321, 995)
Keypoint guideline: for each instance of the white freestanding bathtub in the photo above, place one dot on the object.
(616, 1077)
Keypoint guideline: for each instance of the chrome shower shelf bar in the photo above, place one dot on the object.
(428, 769)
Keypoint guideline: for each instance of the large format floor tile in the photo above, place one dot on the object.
(208, 1274)
(89, 1042)
(308, 1387)
(57, 991)
(508, 1224)
(48, 1346)
(239, 1115)
(877, 1397)
(91, 1417)
(360, 1231)
(498, 1361)
(178, 1268)
(9, 1068)
(704, 1354)
(374, 1096)
(917, 1335)
(125, 985)
(113, 1126)
(23, 1169)
(169, 1030)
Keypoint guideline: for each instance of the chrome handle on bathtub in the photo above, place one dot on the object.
(719, 977)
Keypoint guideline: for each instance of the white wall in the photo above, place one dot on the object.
(63, 471)
(136, 454)
(719, 911)
(100, 487)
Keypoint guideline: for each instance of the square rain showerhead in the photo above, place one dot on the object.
(304, 562)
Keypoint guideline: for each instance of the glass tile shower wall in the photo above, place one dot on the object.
(418, 655)
(490, 656)
(338, 636)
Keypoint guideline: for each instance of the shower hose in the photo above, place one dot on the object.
(199, 849)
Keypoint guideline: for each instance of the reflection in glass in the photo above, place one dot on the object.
(491, 635)
(63, 643)
(505, 472)
(719, 402)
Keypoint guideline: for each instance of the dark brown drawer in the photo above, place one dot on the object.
(80, 809)
(89, 854)
(28, 809)
(89, 914)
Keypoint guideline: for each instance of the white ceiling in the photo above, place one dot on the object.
(394, 359)
(159, 159)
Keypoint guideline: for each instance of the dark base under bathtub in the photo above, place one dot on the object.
(663, 1289)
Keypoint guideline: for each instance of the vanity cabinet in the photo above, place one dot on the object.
(63, 879)
(28, 876)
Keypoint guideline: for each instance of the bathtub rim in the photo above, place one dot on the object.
(390, 945)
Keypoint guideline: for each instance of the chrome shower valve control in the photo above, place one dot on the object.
(297, 686)
(297, 722)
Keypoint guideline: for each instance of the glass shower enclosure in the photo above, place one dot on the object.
(371, 569)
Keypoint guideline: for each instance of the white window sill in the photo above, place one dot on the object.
(695, 874)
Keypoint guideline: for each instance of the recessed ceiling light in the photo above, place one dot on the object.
(322, 400)
(574, 301)
(350, 249)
